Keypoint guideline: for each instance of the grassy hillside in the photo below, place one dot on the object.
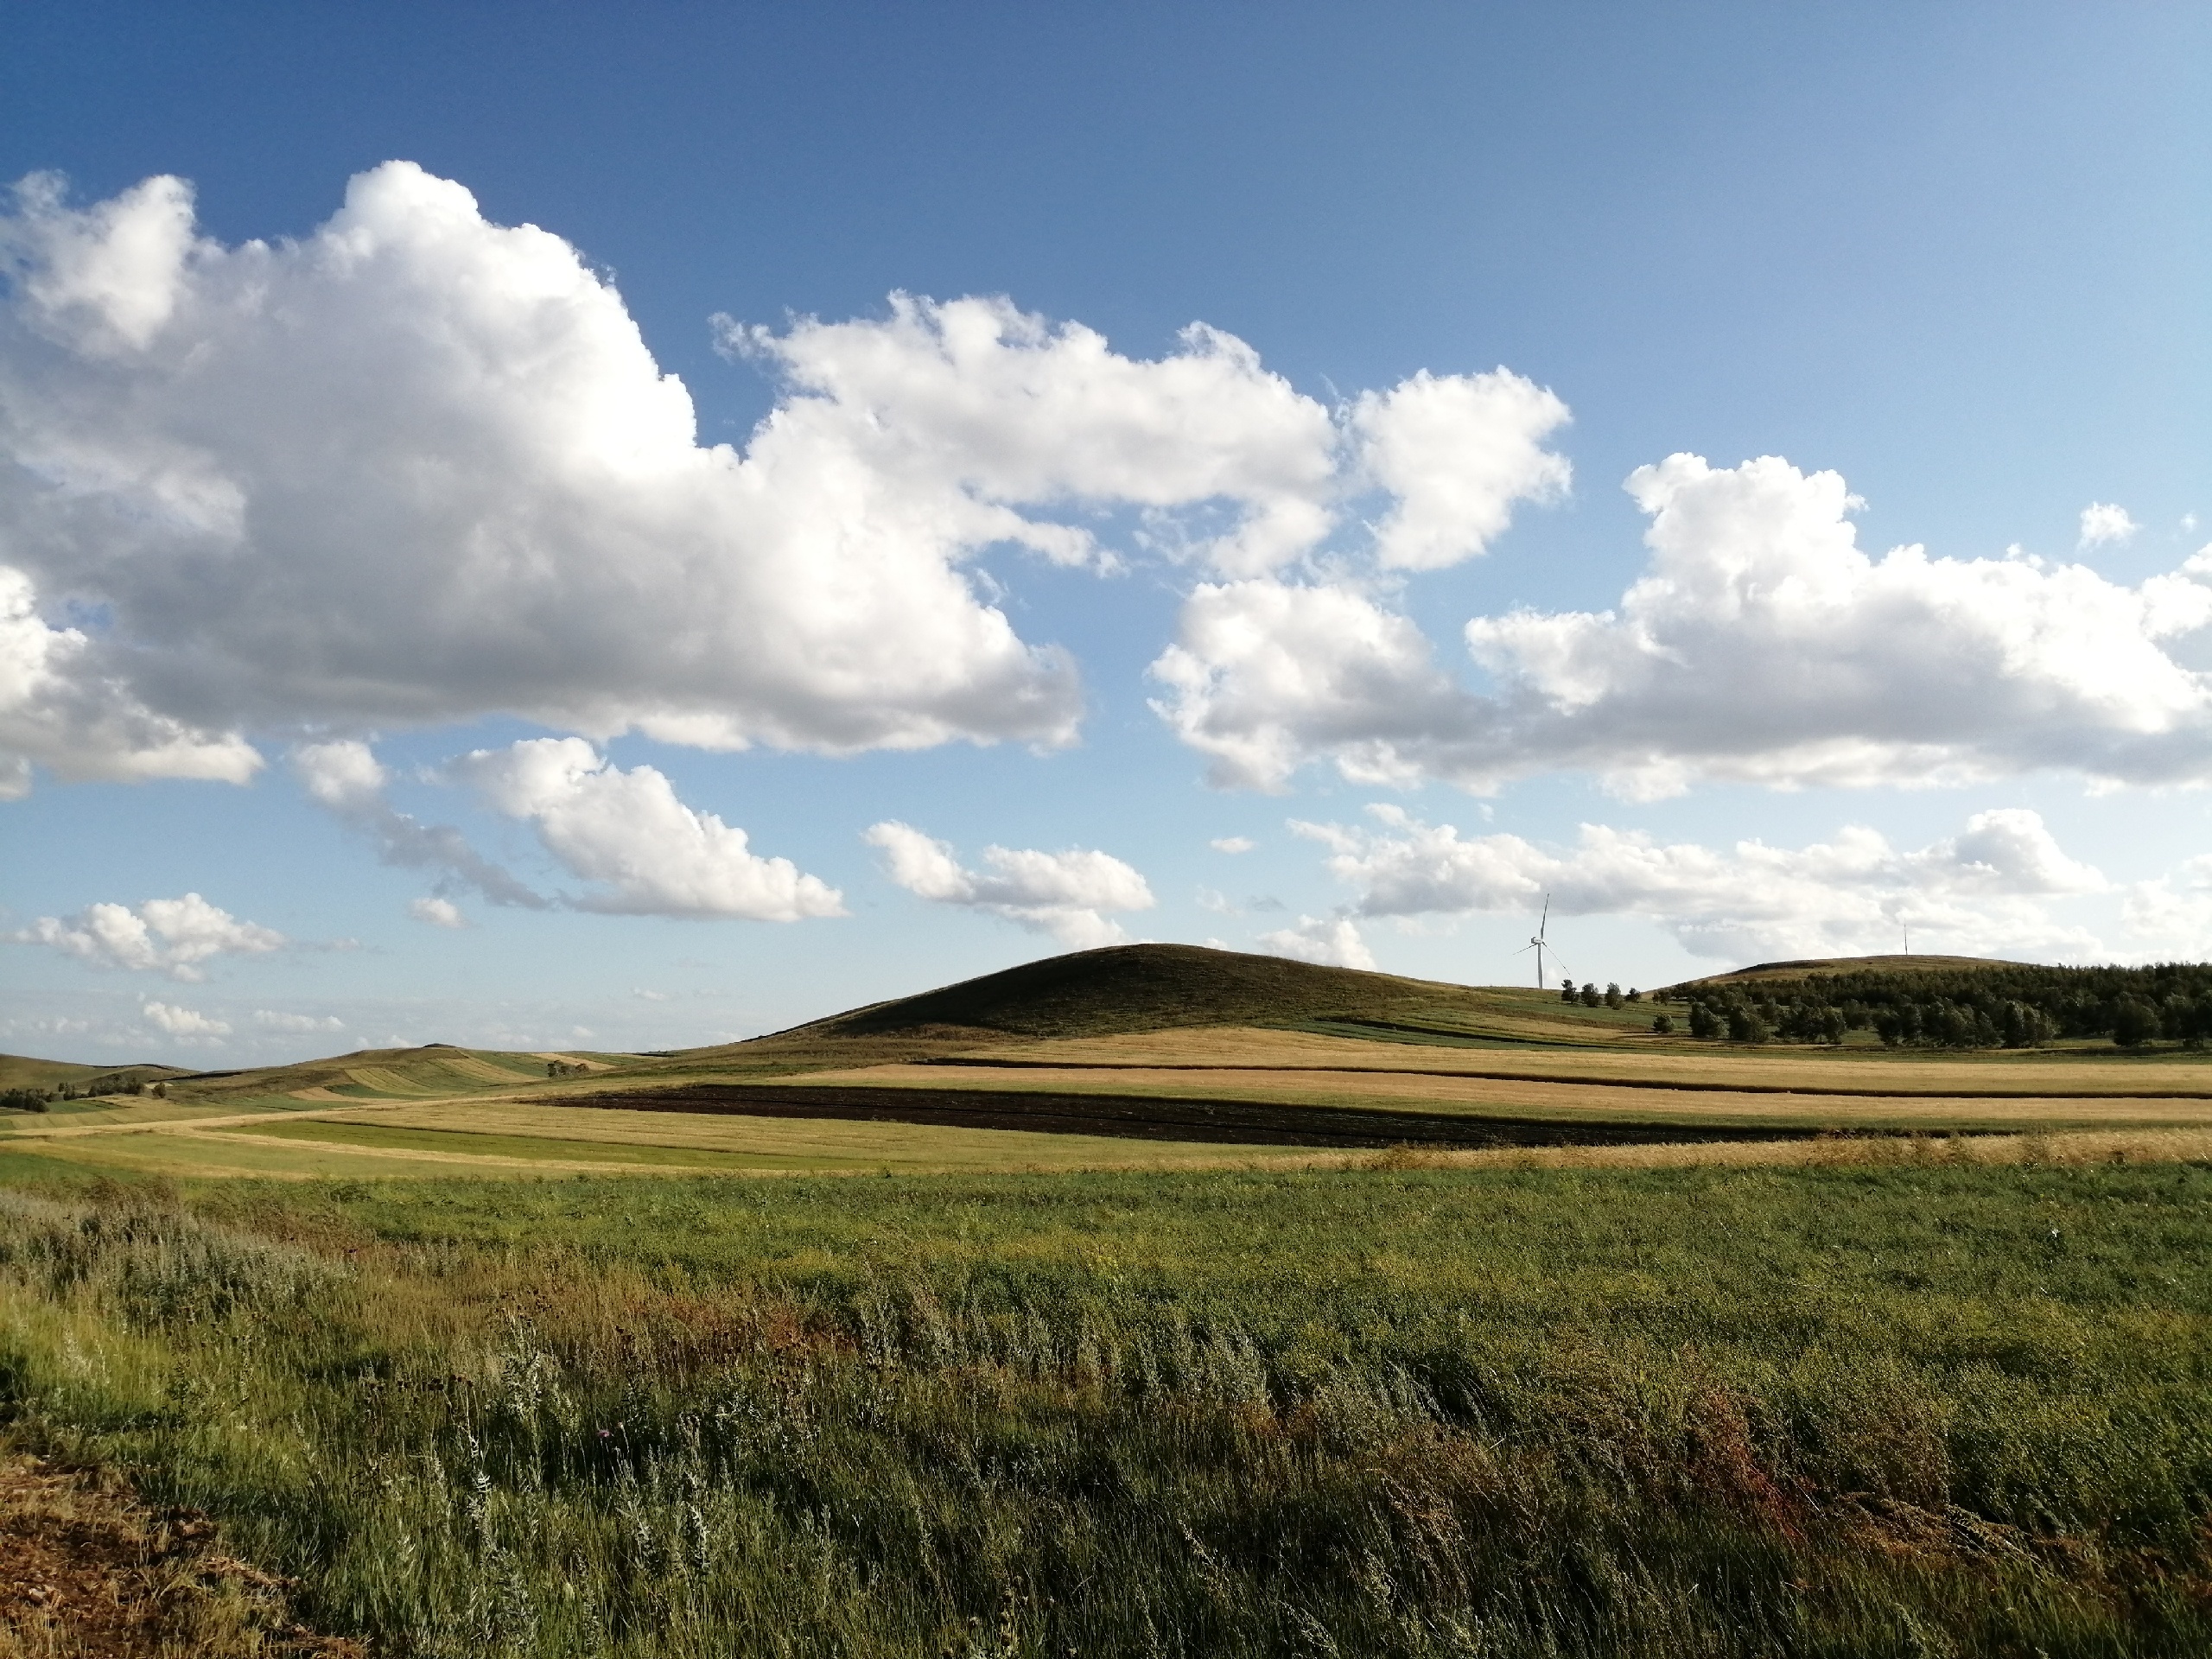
(1136, 988)
(436, 1070)
(21, 1072)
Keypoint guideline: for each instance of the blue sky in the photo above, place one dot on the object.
(297, 533)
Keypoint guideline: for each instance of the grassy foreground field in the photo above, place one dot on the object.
(1933, 1406)
(1339, 1315)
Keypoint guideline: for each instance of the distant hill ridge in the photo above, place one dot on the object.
(1899, 963)
(1137, 987)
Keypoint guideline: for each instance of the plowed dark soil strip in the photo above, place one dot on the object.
(1150, 1118)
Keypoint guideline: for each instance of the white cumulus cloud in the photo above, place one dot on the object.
(648, 853)
(1266, 675)
(2104, 524)
(1065, 895)
(1457, 451)
(1232, 843)
(1761, 644)
(438, 912)
(187, 1026)
(417, 468)
(1977, 893)
(277, 1019)
(1332, 941)
(170, 936)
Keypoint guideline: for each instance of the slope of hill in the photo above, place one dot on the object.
(436, 1070)
(1888, 964)
(1137, 987)
(22, 1071)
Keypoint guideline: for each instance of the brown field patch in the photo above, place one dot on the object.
(88, 1572)
(1270, 1118)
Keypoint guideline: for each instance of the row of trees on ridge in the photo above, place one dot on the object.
(2002, 1005)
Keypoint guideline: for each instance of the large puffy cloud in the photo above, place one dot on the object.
(1979, 892)
(973, 406)
(628, 831)
(1065, 894)
(1266, 675)
(177, 936)
(419, 467)
(1760, 645)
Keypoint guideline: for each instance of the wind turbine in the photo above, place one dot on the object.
(1537, 944)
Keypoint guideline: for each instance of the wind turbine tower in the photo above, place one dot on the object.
(1537, 944)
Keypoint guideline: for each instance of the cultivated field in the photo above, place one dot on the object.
(1161, 1303)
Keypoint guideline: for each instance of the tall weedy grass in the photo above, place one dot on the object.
(1941, 1409)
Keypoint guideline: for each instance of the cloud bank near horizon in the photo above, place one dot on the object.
(1986, 891)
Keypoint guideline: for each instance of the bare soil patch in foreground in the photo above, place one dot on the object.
(88, 1572)
(1161, 1118)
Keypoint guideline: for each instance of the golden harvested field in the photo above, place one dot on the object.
(87, 1117)
(780, 1142)
(497, 1138)
(1664, 1062)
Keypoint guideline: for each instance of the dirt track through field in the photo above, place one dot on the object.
(1156, 1118)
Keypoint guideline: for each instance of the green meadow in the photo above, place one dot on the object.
(1930, 1405)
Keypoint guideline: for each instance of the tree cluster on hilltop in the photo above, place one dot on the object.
(39, 1100)
(2002, 1005)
